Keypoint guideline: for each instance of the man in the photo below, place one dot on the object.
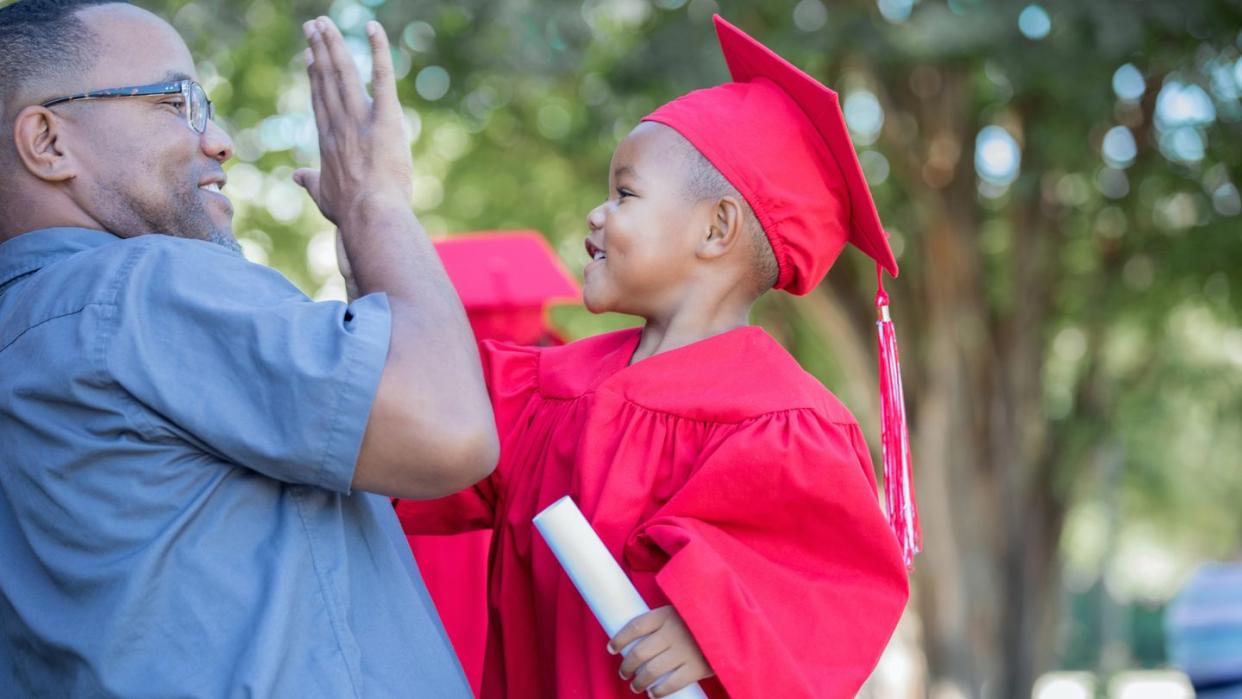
(184, 437)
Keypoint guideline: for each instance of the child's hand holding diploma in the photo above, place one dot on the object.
(663, 648)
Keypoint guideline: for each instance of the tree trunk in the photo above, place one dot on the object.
(984, 459)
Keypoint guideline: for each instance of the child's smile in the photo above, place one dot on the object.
(595, 252)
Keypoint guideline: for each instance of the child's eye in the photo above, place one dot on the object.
(623, 193)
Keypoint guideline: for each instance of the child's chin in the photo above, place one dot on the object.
(595, 305)
(594, 298)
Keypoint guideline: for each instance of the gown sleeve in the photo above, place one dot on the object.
(777, 555)
(512, 375)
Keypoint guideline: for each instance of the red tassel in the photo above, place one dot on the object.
(903, 515)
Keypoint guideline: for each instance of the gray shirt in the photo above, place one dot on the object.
(178, 434)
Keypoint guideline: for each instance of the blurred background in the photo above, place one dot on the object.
(1060, 180)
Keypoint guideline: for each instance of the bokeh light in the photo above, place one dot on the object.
(1180, 104)
(997, 156)
(875, 167)
(810, 15)
(1119, 147)
(1128, 83)
(1182, 110)
(895, 11)
(1034, 22)
(419, 36)
(432, 83)
(864, 115)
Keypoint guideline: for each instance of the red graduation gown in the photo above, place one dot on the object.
(726, 480)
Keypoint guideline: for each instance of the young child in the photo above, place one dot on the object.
(736, 492)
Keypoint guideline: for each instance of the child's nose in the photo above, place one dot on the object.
(595, 218)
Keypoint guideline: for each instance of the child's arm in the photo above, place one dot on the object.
(665, 647)
(776, 555)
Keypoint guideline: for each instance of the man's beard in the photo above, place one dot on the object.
(185, 216)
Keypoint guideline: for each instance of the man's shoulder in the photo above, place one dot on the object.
(151, 269)
(134, 275)
(96, 273)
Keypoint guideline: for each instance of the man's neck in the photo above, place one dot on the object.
(33, 216)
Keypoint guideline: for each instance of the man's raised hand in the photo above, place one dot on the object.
(364, 158)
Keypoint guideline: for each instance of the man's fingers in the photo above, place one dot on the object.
(344, 72)
(309, 180)
(383, 84)
(642, 652)
(322, 72)
(321, 116)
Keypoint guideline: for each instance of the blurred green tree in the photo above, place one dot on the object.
(1060, 182)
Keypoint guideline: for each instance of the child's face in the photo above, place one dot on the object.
(643, 236)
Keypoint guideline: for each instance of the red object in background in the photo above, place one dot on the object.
(506, 280)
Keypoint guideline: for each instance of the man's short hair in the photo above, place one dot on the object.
(42, 39)
(704, 181)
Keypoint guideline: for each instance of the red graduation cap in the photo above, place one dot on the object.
(780, 138)
(506, 280)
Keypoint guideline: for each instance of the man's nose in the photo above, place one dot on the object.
(216, 143)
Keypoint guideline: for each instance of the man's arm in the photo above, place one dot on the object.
(430, 431)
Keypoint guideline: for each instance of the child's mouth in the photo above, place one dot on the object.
(595, 252)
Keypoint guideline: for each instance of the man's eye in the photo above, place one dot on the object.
(177, 104)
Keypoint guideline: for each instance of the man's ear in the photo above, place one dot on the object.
(724, 229)
(41, 145)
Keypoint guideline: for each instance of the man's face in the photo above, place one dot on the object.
(644, 235)
(142, 168)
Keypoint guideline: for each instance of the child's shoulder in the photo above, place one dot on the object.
(734, 377)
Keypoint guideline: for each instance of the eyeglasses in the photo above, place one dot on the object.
(196, 107)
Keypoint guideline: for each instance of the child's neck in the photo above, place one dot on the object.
(688, 324)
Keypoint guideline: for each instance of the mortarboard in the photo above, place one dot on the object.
(506, 280)
(779, 137)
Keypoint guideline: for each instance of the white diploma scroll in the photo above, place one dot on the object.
(601, 582)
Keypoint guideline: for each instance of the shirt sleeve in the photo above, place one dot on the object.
(231, 357)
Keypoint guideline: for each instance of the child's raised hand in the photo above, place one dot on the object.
(664, 647)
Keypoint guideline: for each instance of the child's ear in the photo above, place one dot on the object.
(724, 229)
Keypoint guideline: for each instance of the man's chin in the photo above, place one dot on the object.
(224, 238)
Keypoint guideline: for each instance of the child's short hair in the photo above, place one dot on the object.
(704, 181)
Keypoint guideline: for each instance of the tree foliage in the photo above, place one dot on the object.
(1070, 291)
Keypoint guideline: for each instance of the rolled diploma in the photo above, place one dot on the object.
(601, 582)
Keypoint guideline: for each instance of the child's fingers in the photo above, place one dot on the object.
(681, 678)
(637, 628)
(642, 652)
(652, 670)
